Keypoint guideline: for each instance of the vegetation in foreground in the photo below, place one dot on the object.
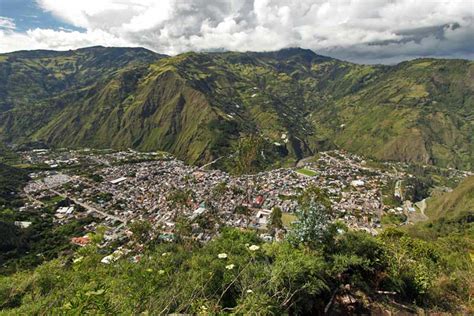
(318, 268)
(25, 248)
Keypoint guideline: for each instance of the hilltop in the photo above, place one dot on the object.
(287, 104)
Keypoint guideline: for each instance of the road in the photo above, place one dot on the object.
(301, 162)
(91, 208)
(33, 199)
(216, 160)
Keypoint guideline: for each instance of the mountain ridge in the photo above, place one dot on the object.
(199, 106)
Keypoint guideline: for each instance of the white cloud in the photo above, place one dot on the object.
(360, 30)
(7, 23)
(60, 40)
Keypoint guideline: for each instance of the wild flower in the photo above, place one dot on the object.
(222, 256)
(230, 266)
(254, 248)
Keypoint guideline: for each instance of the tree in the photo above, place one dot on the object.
(311, 225)
(183, 231)
(141, 231)
(314, 194)
(313, 218)
(220, 189)
(275, 218)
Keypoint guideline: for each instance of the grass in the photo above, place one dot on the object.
(53, 200)
(452, 203)
(287, 219)
(307, 172)
(393, 219)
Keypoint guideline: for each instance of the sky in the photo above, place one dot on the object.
(364, 31)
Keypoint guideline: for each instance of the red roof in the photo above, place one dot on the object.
(81, 241)
(259, 200)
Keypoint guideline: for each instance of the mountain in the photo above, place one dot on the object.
(453, 203)
(200, 106)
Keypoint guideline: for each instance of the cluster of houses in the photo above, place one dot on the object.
(60, 158)
(130, 186)
(163, 191)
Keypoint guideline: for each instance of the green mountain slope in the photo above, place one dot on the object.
(451, 204)
(39, 86)
(199, 105)
(418, 111)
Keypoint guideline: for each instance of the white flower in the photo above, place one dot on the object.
(222, 256)
(78, 260)
(164, 254)
(161, 272)
(249, 291)
(230, 266)
(254, 248)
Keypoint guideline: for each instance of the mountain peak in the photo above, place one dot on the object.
(297, 53)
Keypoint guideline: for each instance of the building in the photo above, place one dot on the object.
(81, 241)
(262, 217)
(118, 180)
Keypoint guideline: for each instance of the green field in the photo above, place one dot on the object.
(307, 172)
(287, 219)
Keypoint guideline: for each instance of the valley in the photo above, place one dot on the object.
(101, 211)
(119, 188)
(219, 181)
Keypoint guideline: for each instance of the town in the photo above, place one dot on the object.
(119, 188)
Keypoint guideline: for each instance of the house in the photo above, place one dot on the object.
(198, 212)
(118, 180)
(258, 202)
(81, 241)
(262, 217)
(167, 236)
(23, 224)
(117, 254)
(357, 183)
(65, 210)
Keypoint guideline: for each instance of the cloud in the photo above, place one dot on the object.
(357, 30)
(7, 23)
